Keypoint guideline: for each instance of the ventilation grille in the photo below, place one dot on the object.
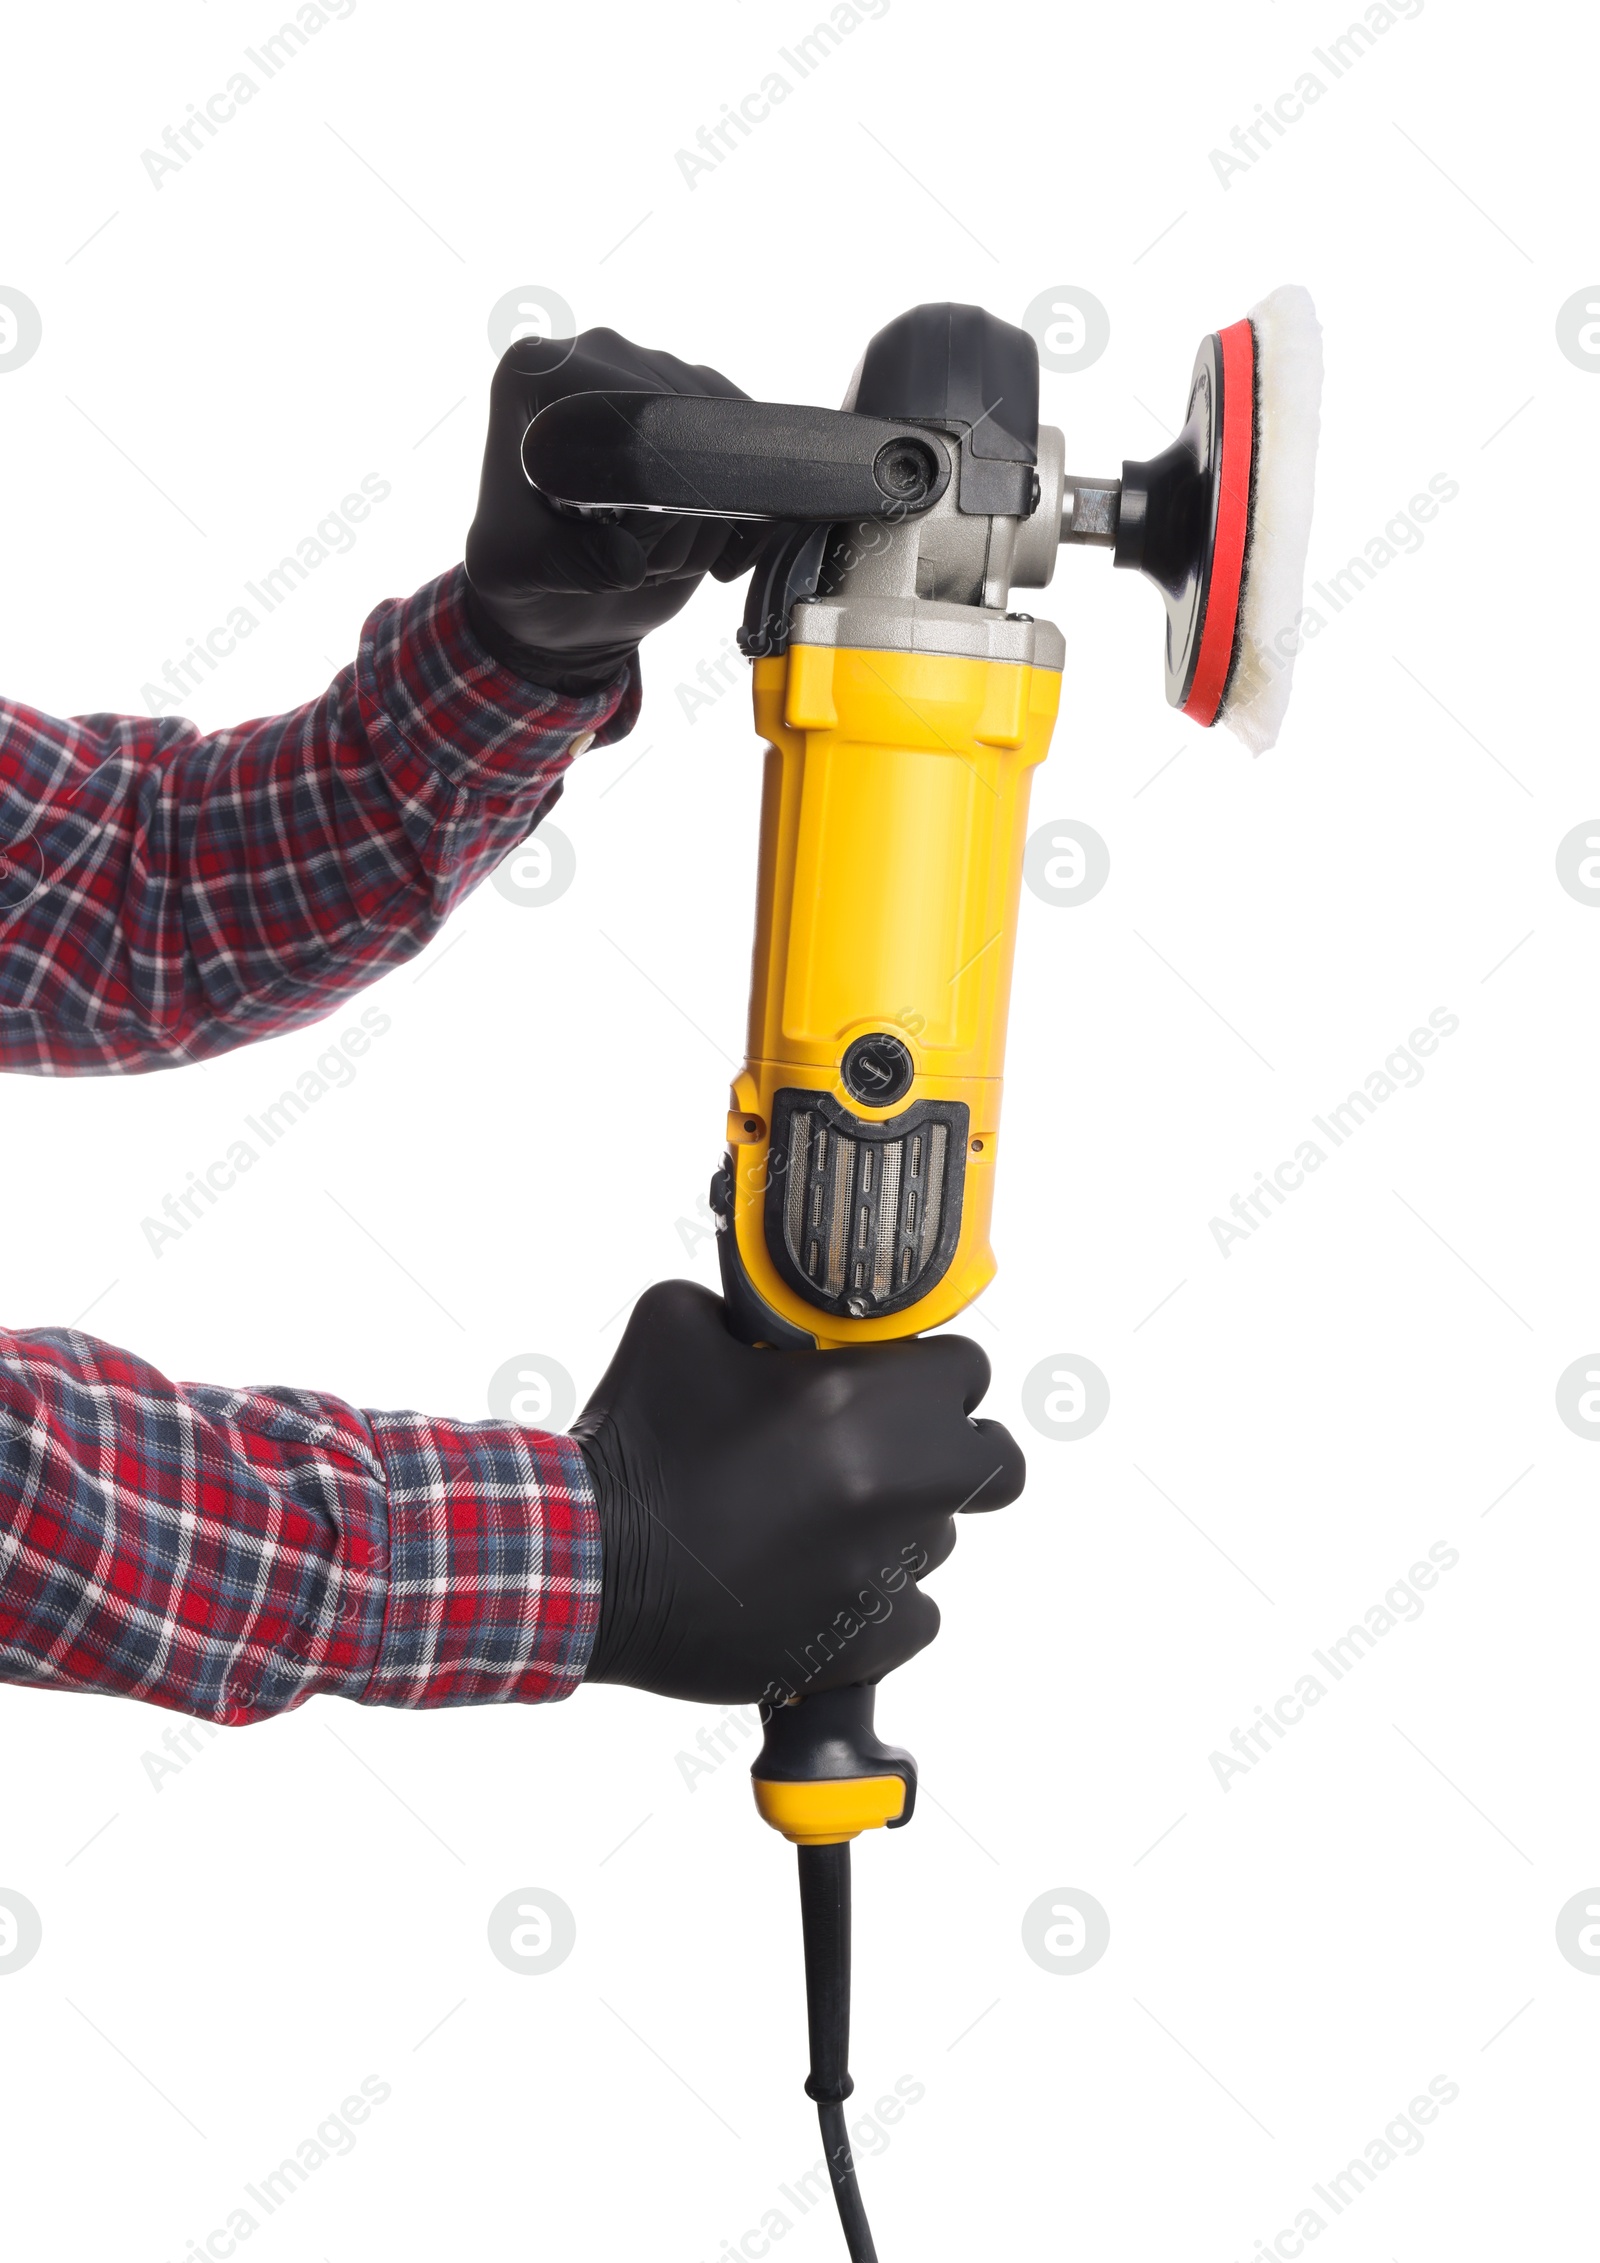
(869, 1214)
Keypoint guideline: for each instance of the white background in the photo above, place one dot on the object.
(1371, 1905)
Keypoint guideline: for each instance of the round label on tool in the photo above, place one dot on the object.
(878, 1070)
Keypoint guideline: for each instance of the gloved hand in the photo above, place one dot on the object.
(560, 599)
(765, 1515)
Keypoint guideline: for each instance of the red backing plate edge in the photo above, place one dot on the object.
(1233, 523)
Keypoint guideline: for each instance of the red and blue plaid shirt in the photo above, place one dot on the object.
(164, 896)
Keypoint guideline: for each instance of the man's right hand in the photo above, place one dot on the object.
(766, 1515)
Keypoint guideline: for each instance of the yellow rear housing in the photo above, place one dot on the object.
(894, 817)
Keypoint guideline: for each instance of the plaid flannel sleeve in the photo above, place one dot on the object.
(165, 895)
(232, 1553)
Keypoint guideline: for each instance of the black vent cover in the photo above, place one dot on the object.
(862, 1218)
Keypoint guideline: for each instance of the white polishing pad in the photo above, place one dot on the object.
(1289, 399)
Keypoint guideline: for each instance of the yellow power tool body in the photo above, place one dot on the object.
(864, 1130)
(905, 705)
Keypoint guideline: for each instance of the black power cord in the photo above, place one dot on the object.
(825, 1920)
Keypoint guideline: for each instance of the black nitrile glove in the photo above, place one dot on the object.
(765, 1515)
(564, 600)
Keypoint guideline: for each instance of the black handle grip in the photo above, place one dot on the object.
(710, 458)
(831, 1737)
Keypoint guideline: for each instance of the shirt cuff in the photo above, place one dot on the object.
(423, 677)
(493, 1592)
